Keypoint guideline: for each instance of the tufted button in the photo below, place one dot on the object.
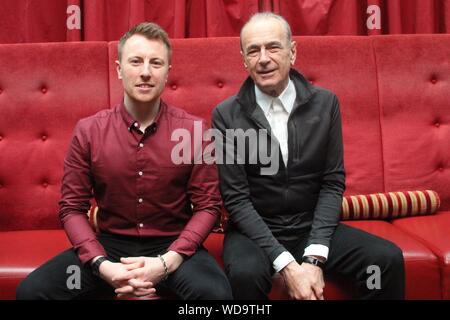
(45, 184)
(433, 80)
(1, 138)
(220, 84)
(437, 124)
(1, 186)
(44, 90)
(174, 87)
(44, 137)
(1, 90)
(311, 81)
(441, 169)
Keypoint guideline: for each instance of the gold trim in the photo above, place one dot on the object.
(395, 206)
(414, 203)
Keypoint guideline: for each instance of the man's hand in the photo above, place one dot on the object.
(304, 282)
(112, 273)
(151, 270)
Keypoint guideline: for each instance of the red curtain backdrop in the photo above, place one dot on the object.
(45, 20)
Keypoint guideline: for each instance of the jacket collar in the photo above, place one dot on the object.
(247, 99)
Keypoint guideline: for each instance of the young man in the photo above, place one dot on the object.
(153, 215)
(288, 221)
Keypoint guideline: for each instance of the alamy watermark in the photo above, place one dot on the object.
(74, 279)
(234, 146)
(374, 280)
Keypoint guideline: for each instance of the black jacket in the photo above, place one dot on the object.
(301, 200)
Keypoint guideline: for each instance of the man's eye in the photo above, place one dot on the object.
(252, 53)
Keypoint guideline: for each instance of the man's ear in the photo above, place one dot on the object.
(167, 75)
(293, 52)
(118, 69)
(243, 58)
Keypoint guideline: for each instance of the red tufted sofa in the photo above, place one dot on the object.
(395, 100)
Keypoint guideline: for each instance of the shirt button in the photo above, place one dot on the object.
(136, 124)
(141, 145)
(140, 173)
(140, 200)
(141, 225)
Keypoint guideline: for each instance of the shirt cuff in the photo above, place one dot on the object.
(317, 250)
(283, 260)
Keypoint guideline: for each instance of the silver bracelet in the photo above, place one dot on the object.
(166, 270)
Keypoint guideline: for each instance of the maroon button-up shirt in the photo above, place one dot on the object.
(139, 190)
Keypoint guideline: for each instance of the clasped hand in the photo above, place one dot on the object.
(133, 276)
(304, 282)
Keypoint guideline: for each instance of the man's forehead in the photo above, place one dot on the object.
(262, 32)
(140, 44)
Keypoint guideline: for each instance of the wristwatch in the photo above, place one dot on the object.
(96, 265)
(313, 261)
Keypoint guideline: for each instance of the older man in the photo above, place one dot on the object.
(288, 221)
(153, 215)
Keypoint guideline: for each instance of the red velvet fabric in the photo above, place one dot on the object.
(45, 20)
(415, 113)
(44, 90)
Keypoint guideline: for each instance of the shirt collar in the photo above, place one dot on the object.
(287, 98)
(130, 121)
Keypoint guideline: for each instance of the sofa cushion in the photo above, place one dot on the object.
(389, 205)
(433, 232)
(23, 251)
(45, 88)
(414, 86)
(421, 265)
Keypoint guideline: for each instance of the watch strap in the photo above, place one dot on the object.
(313, 261)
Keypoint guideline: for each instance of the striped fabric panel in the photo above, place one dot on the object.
(389, 205)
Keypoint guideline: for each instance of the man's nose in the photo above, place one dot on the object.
(264, 57)
(146, 72)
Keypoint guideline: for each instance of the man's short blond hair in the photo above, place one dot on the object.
(151, 31)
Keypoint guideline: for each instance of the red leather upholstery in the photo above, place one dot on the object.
(22, 251)
(395, 109)
(421, 265)
(433, 232)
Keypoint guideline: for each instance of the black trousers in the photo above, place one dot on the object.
(198, 277)
(352, 251)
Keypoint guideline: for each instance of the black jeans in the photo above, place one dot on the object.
(352, 251)
(198, 277)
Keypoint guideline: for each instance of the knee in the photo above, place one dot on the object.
(389, 256)
(26, 291)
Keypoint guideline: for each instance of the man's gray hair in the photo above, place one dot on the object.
(267, 15)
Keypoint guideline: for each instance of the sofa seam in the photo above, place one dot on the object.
(380, 109)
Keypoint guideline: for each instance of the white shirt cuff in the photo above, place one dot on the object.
(283, 260)
(317, 250)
